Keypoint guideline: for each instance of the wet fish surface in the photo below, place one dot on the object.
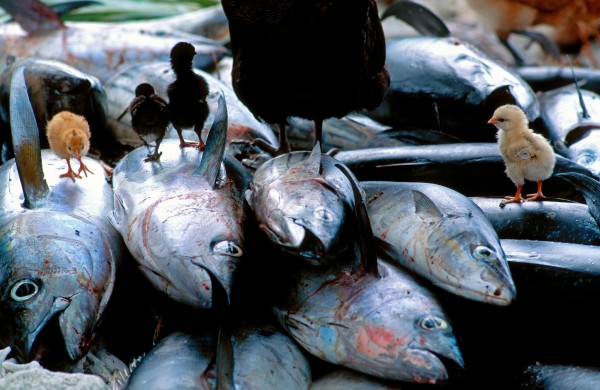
(550, 220)
(182, 218)
(442, 236)
(58, 251)
(448, 85)
(300, 200)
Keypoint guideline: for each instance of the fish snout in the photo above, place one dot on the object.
(504, 289)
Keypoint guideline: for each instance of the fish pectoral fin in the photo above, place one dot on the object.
(298, 322)
(387, 251)
(425, 208)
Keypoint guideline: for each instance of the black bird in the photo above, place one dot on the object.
(149, 117)
(312, 59)
(187, 94)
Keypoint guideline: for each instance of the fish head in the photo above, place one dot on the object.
(184, 238)
(468, 255)
(305, 217)
(55, 268)
(387, 325)
(585, 150)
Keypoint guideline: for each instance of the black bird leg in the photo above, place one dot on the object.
(154, 156)
(284, 146)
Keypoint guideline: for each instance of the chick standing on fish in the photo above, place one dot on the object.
(306, 58)
(69, 136)
(187, 94)
(527, 155)
(149, 117)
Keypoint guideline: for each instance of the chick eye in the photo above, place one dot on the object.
(323, 214)
(483, 253)
(24, 290)
(500, 119)
(68, 147)
(228, 248)
(433, 323)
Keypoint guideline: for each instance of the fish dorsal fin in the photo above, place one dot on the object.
(26, 142)
(367, 250)
(212, 157)
(309, 168)
(32, 15)
(425, 208)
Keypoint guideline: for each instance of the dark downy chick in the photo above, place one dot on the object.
(149, 117)
(69, 136)
(187, 94)
(306, 58)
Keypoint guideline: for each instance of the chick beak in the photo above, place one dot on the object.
(492, 121)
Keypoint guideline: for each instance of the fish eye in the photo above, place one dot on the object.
(585, 159)
(432, 322)
(24, 290)
(228, 248)
(323, 214)
(482, 252)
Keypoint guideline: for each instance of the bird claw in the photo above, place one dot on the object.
(153, 157)
(71, 174)
(535, 196)
(83, 168)
(512, 199)
(198, 145)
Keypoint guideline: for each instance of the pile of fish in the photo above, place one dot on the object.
(382, 266)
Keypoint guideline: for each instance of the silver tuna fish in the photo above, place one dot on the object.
(264, 358)
(300, 201)
(443, 236)
(58, 251)
(183, 218)
(371, 317)
(573, 128)
(99, 49)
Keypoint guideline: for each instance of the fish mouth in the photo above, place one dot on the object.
(436, 365)
(505, 291)
(43, 341)
(58, 306)
(297, 239)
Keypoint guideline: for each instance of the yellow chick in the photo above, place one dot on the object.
(69, 136)
(527, 155)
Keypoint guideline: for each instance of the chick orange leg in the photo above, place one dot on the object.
(538, 194)
(183, 143)
(70, 172)
(198, 132)
(517, 197)
(83, 168)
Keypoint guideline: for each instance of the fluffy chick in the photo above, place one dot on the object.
(149, 117)
(69, 136)
(527, 155)
(187, 94)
